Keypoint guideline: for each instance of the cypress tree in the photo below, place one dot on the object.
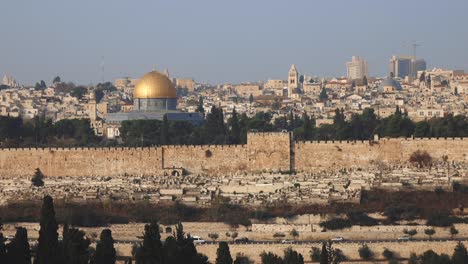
(151, 250)
(47, 249)
(235, 128)
(75, 246)
(18, 251)
(323, 95)
(105, 251)
(460, 254)
(223, 255)
(324, 254)
(171, 253)
(2, 249)
(200, 108)
(292, 257)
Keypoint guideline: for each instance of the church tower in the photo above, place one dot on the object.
(293, 80)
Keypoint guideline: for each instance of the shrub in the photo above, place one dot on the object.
(213, 236)
(362, 219)
(422, 158)
(336, 223)
(294, 233)
(315, 254)
(37, 179)
(365, 252)
(388, 254)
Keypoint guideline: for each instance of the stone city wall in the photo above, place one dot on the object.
(209, 160)
(61, 162)
(315, 156)
(264, 152)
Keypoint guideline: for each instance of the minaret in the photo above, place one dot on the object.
(92, 107)
(293, 80)
(166, 72)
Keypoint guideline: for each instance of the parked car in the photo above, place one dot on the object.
(197, 239)
(337, 239)
(241, 240)
(286, 241)
(404, 238)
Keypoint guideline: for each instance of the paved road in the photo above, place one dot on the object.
(305, 242)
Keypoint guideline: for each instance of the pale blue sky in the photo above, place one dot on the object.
(221, 40)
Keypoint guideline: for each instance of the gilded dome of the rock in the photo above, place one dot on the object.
(154, 85)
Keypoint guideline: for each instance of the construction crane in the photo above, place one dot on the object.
(415, 47)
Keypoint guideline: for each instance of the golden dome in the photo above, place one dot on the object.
(154, 85)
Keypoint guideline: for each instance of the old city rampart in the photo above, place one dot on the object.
(264, 152)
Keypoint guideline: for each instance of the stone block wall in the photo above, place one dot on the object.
(264, 152)
(269, 151)
(313, 156)
(209, 160)
(56, 162)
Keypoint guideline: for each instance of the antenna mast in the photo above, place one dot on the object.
(102, 69)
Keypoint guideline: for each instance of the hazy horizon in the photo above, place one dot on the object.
(219, 41)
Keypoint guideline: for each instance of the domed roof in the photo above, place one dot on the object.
(389, 82)
(154, 85)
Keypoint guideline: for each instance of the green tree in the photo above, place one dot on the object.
(200, 108)
(242, 259)
(56, 80)
(323, 95)
(213, 236)
(413, 259)
(105, 251)
(453, 231)
(78, 92)
(388, 254)
(3, 254)
(214, 126)
(171, 251)
(40, 86)
(412, 232)
(270, 258)
(422, 129)
(75, 246)
(315, 253)
(294, 233)
(292, 257)
(251, 99)
(235, 130)
(422, 77)
(47, 248)
(223, 255)
(324, 254)
(364, 80)
(37, 179)
(365, 252)
(151, 250)
(18, 251)
(460, 255)
(430, 232)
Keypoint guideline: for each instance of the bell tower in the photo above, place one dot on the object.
(293, 80)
